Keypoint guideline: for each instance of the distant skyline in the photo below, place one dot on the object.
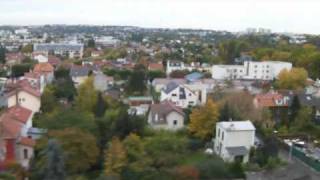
(298, 16)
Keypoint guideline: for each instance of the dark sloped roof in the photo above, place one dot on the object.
(237, 150)
(170, 86)
(79, 71)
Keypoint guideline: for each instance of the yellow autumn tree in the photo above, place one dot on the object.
(87, 96)
(293, 79)
(203, 120)
(116, 158)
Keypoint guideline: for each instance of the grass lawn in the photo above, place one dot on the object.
(196, 157)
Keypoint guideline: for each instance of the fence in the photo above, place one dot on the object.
(315, 164)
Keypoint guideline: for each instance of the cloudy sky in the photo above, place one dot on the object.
(235, 15)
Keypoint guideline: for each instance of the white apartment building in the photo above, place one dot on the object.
(234, 139)
(179, 66)
(62, 49)
(250, 70)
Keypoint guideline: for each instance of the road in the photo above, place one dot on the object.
(295, 170)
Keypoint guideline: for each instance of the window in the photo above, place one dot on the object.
(174, 94)
(218, 132)
(175, 122)
(25, 153)
(222, 136)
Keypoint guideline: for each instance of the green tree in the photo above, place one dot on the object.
(137, 160)
(294, 108)
(203, 120)
(91, 43)
(137, 81)
(116, 158)
(100, 107)
(77, 145)
(87, 96)
(19, 69)
(48, 99)
(293, 79)
(28, 49)
(51, 163)
(2, 54)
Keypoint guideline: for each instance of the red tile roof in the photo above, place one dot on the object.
(22, 85)
(19, 113)
(155, 67)
(43, 68)
(270, 100)
(54, 61)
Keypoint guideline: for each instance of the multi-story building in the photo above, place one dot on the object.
(250, 70)
(233, 140)
(66, 50)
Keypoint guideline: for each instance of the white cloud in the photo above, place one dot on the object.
(286, 15)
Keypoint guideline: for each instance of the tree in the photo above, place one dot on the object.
(137, 80)
(293, 79)
(64, 88)
(179, 73)
(226, 113)
(19, 69)
(135, 152)
(91, 43)
(116, 158)
(2, 54)
(100, 107)
(27, 49)
(52, 162)
(87, 96)
(294, 108)
(203, 120)
(77, 145)
(48, 99)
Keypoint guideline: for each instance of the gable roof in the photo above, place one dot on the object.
(170, 87)
(19, 113)
(43, 68)
(162, 110)
(79, 71)
(22, 85)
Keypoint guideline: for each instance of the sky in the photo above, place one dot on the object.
(298, 16)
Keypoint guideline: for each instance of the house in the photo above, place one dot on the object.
(79, 74)
(182, 95)
(233, 140)
(41, 58)
(46, 70)
(15, 145)
(14, 58)
(139, 105)
(61, 49)
(250, 70)
(36, 80)
(102, 82)
(166, 115)
(22, 93)
(270, 100)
